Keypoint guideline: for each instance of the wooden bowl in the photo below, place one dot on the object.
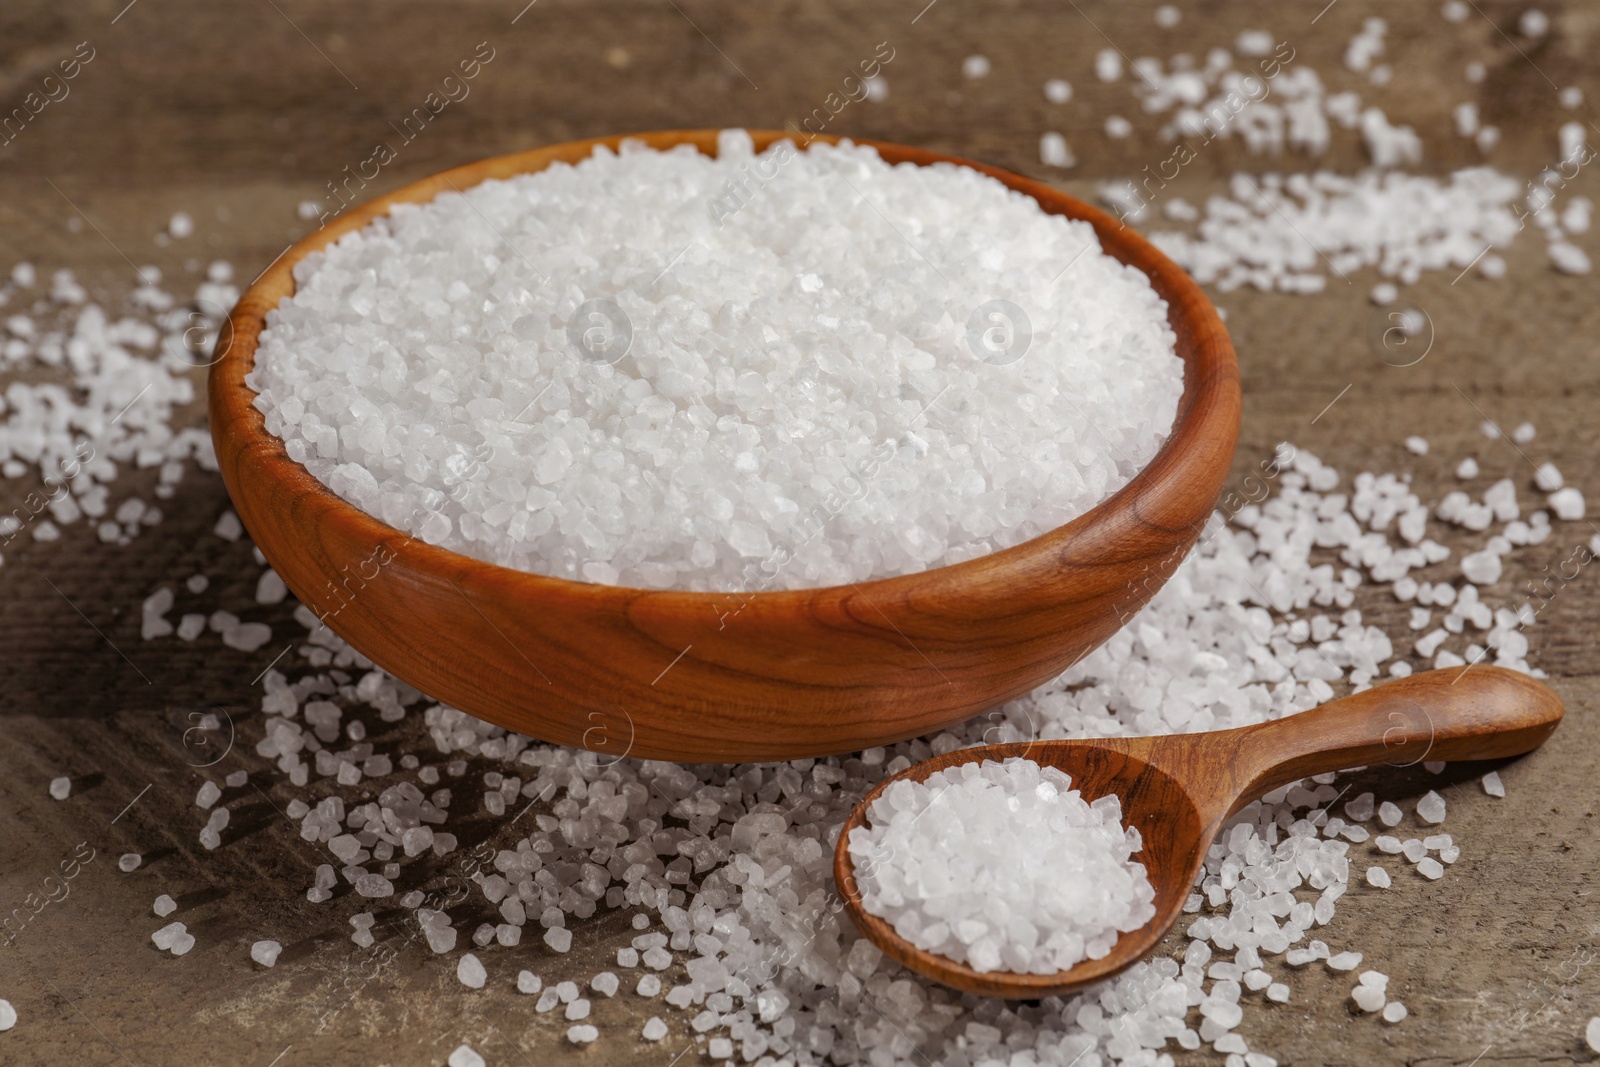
(729, 677)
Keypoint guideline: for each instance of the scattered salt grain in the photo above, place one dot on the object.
(1591, 1033)
(558, 938)
(1493, 785)
(164, 905)
(1416, 445)
(605, 983)
(228, 527)
(975, 66)
(8, 1015)
(1394, 1011)
(165, 937)
(582, 1034)
(208, 795)
(1547, 478)
(60, 788)
(1368, 998)
(265, 952)
(1058, 91)
(649, 986)
(471, 972)
(1108, 65)
(1377, 876)
(1052, 890)
(1344, 961)
(1481, 568)
(1431, 808)
(1431, 868)
(655, 1029)
(270, 589)
(129, 861)
(180, 225)
(1389, 813)
(465, 1056)
(1055, 152)
(1567, 504)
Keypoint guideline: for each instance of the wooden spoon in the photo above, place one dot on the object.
(1179, 790)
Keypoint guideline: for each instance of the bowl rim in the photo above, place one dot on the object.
(1210, 392)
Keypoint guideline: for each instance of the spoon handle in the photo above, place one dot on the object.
(1452, 714)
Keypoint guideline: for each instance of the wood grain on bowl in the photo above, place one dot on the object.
(728, 676)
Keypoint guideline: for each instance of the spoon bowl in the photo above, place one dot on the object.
(1179, 790)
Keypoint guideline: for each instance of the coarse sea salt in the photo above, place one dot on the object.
(661, 369)
(740, 897)
(1003, 866)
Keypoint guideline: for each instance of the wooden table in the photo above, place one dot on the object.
(237, 112)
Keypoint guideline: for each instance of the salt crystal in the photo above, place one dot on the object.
(558, 938)
(265, 952)
(167, 935)
(470, 972)
(605, 983)
(578, 1009)
(1431, 808)
(528, 982)
(180, 225)
(655, 1029)
(1481, 568)
(8, 1016)
(1389, 813)
(465, 1056)
(1368, 998)
(1493, 785)
(1055, 152)
(1567, 503)
(129, 861)
(228, 527)
(1377, 876)
(1467, 468)
(60, 788)
(1431, 868)
(649, 986)
(164, 905)
(1547, 478)
(582, 1034)
(1058, 91)
(1394, 1011)
(1417, 445)
(1345, 961)
(975, 66)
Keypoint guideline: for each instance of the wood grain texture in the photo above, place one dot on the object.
(729, 676)
(1178, 790)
